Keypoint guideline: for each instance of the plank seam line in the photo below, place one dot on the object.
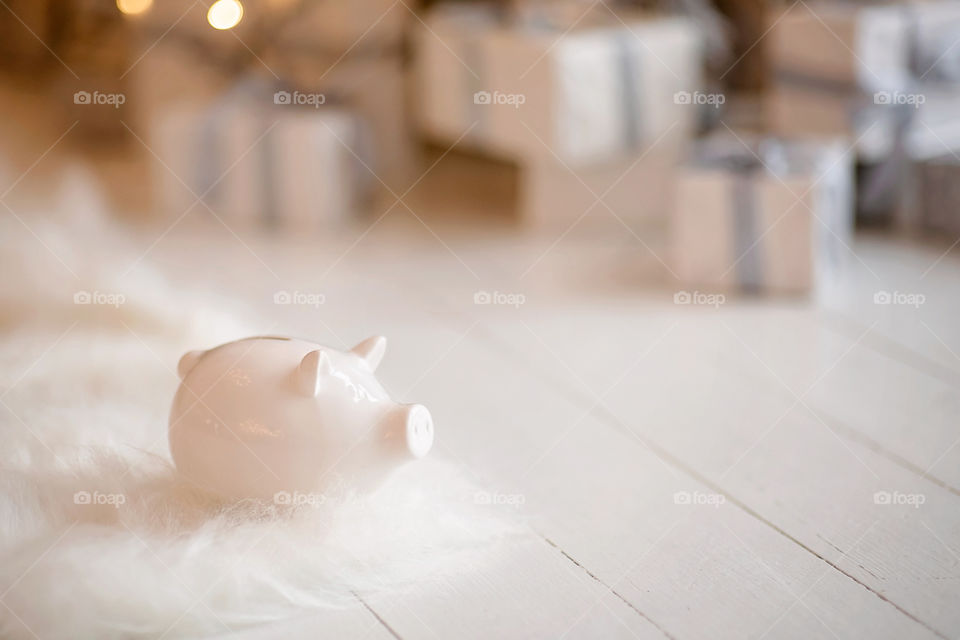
(887, 347)
(857, 436)
(376, 615)
(607, 587)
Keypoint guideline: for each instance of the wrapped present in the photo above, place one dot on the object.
(453, 55)
(374, 89)
(254, 163)
(529, 90)
(770, 218)
(833, 62)
(938, 181)
(598, 199)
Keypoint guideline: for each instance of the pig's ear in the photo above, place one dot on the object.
(187, 362)
(371, 351)
(314, 366)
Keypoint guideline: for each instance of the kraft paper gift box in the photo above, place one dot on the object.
(827, 62)
(773, 226)
(598, 199)
(259, 166)
(831, 61)
(527, 91)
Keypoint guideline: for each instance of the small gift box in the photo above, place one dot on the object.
(772, 217)
(254, 163)
(530, 90)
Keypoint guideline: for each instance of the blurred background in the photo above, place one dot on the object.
(740, 140)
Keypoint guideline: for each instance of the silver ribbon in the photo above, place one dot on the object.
(746, 221)
(628, 68)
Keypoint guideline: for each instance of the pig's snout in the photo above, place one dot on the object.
(411, 429)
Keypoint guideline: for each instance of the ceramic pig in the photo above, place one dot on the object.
(265, 415)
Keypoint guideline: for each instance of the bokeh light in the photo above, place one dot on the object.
(134, 7)
(225, 14)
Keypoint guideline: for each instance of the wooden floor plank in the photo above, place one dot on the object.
(525, 588)
(780, 460)
(606, 499)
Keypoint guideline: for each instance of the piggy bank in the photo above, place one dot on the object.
(269, 416)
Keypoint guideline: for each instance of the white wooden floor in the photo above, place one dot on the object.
(687, 471)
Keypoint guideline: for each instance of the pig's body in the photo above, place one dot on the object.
(262, 416)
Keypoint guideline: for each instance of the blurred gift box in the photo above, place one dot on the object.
(529, 91)
(255, 158)
(762, 216)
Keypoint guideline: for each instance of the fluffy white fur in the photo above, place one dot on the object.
(86, 410)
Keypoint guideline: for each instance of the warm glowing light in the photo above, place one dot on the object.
(133, 7)
(225, 14)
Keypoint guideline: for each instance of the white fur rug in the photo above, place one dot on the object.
(84, 395)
